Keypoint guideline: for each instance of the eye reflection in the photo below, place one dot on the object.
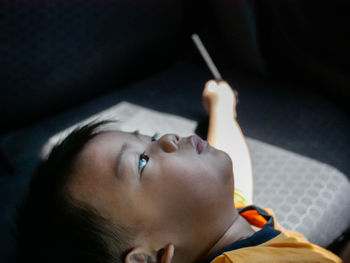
(143, 161)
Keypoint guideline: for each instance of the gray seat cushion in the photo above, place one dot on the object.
(307, 196)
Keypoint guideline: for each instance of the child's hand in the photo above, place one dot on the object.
(220, 95)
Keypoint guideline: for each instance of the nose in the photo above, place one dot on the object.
(169, 142)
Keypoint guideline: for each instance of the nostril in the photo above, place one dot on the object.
(169, 142)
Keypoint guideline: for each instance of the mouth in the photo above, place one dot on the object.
(199, 144)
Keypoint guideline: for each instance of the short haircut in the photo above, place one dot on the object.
(52, 227)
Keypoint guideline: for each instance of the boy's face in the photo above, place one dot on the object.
(178, 191)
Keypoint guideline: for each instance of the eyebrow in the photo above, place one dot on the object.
(121, 154)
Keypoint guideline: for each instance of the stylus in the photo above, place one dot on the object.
(197, 41)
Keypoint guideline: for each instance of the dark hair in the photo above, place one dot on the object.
(52, 227)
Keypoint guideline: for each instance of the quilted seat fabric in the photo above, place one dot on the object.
(306, 195)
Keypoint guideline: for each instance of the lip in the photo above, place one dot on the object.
(199, 144)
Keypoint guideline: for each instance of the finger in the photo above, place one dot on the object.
(211, 82)
(211, 85)
(224, 83)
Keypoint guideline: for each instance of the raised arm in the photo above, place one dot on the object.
(224, 133)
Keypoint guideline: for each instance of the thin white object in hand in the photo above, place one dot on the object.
(206, 57)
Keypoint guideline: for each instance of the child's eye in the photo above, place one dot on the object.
(143, 161)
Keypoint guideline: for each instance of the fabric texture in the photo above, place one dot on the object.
(305, 194)
(57, 54)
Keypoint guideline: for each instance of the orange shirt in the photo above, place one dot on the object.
(286, 246)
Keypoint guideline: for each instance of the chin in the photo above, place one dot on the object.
(221, 164)
(226, 161)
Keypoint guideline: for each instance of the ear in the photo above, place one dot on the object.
(167, 254)
(142, 255)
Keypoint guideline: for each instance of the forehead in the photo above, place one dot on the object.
(98, 151)
(94, 179)
(105, 140)
(102, 150)
(93, 170)
(114, 138)
(108, 137)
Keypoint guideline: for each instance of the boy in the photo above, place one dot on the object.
(124, 197)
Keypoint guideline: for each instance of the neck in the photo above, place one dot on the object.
(238, 230)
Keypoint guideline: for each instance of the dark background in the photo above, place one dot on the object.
(62, 61)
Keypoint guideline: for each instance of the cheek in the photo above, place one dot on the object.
(200, 184)
(186, 190)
